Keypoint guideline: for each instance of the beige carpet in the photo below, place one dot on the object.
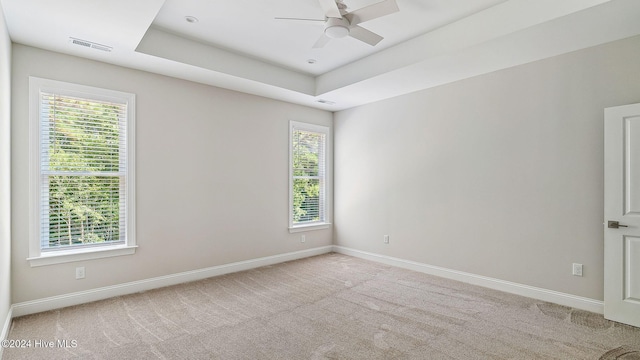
(326, 307)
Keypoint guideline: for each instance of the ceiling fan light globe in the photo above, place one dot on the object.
(336, 32)
(336, 28)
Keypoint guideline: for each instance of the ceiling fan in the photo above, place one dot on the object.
(339, 22)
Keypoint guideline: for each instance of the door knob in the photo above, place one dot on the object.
(614, 224)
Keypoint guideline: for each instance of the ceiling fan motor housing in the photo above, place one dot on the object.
(336, 28)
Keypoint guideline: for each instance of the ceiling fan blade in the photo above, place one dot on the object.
(371, 12)
(322, 41)
(298, 19)
(364, 35)
(330, 8)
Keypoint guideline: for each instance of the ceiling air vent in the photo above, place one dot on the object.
(91, 45)
(328, 102)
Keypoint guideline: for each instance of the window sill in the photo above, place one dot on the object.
(309, 227)
(62, 256)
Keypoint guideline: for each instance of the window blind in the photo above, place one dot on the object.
(83, 171)
(308, 157)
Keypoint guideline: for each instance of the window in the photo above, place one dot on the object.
(82, 174)
(308, 176)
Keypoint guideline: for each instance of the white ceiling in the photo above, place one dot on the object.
(248, 27)
(240, 46)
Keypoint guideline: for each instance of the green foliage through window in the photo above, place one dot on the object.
(83, 170)
(308, 176)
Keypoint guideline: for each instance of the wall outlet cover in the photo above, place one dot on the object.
(577, 269)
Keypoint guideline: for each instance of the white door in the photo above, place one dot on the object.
(622, 214)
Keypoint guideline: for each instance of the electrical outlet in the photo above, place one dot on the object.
(577, 269)
(386, 239)
(80, 272)
(303, 238)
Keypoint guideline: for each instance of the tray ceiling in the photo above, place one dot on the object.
(240, 45)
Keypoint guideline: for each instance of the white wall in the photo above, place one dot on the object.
(500, 175)
(212, 176)
(5, 172)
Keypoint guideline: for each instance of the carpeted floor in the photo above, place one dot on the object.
(326, 307)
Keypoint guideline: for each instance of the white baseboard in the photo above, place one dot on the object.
(6, 327)
(56, 302)
(556, 297)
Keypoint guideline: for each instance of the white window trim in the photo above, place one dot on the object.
(328, 177)
(36, 256)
